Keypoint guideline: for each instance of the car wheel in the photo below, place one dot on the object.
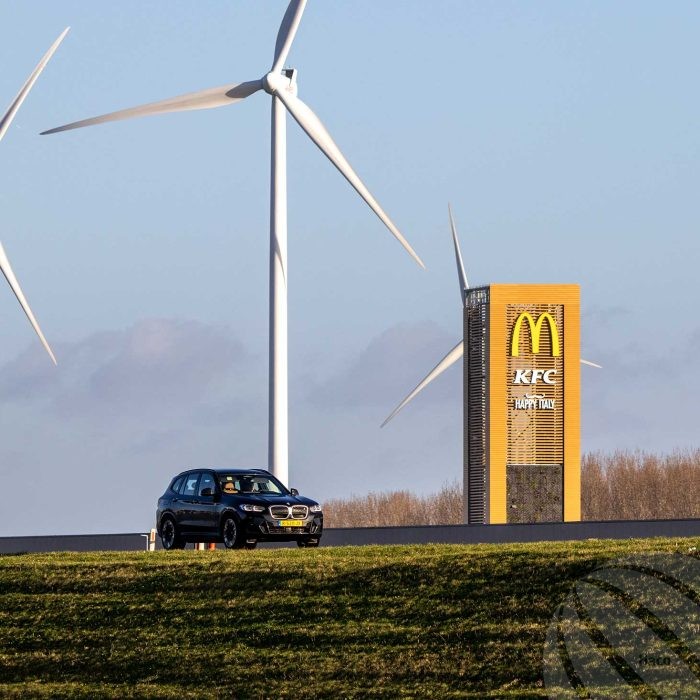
(231, 533)
(169, 535)
(308, 543)
(251, 545)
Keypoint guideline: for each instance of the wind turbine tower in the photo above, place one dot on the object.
(280, 84)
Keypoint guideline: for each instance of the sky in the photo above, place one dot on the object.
(565, 135)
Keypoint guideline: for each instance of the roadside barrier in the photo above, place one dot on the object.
(428, 534)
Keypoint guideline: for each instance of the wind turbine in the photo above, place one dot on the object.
(7, 118)
(458, 350)
(281, 84)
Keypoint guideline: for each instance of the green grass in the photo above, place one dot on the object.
(414, 621)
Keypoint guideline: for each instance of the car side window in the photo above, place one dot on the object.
(190, 485)
(206, 482)
(178, 484)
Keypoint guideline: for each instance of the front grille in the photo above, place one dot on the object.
(291, 512)
(279, 512)
(285, 530)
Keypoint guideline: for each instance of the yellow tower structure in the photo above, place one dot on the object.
(522, 403)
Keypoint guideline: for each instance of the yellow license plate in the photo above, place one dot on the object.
(291, 523)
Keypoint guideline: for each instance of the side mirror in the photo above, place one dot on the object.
(207, 492)
(294, 492)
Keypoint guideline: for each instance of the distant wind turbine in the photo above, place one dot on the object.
(4, 126)
(281, 84)
(458, 350)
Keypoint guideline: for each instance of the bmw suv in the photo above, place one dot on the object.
(239, 507)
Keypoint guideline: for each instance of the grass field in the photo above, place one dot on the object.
(415, 621)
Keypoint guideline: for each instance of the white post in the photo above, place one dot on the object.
(278, 437)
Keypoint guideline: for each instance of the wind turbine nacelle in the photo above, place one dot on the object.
(277, 82)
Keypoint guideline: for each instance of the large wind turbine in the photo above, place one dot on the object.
(7, 118)
(281, 84)
(458, 350)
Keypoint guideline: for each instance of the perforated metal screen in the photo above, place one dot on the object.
(476, 404)
(535, 493)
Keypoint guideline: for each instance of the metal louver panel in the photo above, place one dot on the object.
(536, 435)
(476, 354)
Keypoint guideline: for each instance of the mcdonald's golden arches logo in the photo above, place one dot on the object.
(535, 333)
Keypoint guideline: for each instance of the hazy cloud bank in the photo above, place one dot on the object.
(155, 362)
(125, 409)
(96, 439)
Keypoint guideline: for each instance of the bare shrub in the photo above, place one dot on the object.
(640, 485)
(396, 508)
(622, 485)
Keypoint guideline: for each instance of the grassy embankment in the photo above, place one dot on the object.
(414, 621)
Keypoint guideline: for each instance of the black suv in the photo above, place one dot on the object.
(238, 507)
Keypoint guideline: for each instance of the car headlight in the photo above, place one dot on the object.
(315, 509)
(250, 508)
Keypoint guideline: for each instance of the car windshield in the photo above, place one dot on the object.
(250, 483)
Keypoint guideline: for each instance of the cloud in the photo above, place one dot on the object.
(164, 360)
(127, 409)
(156, 363)
(388, 368)
(645, 395)
(96, 438)
(337, 445)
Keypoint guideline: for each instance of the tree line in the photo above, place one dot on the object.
(622, 485)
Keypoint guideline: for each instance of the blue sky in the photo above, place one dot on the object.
(564, 134)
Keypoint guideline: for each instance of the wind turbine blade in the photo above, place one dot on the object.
(312, 125)
(204, 99)
(463, 282)
(591, 364)
(16, 103)
(447, 361)
(287, 32)
(6, 269)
